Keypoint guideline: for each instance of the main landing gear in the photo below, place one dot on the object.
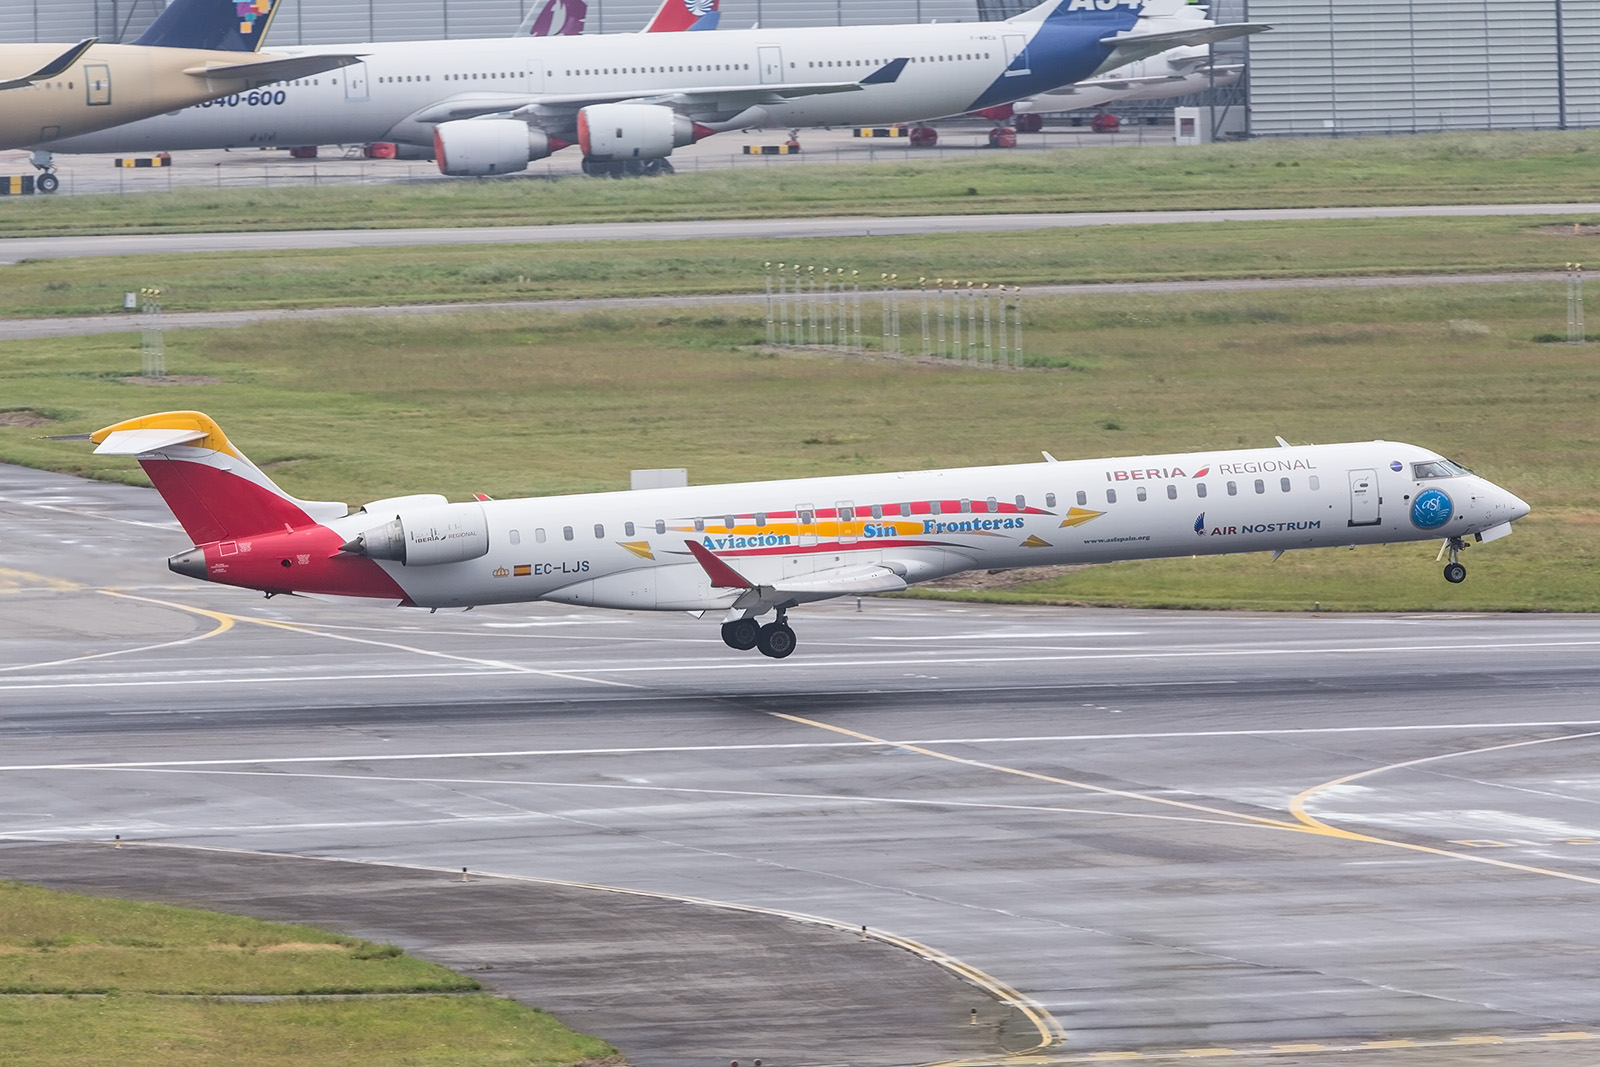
(1454, 572)
(775, 639)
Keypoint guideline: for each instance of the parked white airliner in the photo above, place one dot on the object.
(493, 106)
(748, 549)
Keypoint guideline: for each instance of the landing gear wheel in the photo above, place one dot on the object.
(602, 169)
(1455, 573)
(741, 634)
(654, 168)
(1030, 123)
(47, 183)
(776, 640)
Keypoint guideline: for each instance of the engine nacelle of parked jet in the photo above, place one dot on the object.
(617, 133)
(488, 146)
(423, 537)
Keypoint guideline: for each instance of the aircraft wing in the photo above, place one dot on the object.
(857, 580)
(1113, 83)
(1139, 44)
(277, 69)
(57, 66)
(729, 97)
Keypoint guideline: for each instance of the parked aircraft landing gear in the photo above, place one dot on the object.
(46, 182)
(741, 634)
(1454, 572)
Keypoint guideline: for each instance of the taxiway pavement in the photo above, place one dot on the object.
(1171, 834)
(13, 249)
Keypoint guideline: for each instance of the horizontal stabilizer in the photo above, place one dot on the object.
(1139, 44)
(279, 69)
(56, 67)
(138, 442)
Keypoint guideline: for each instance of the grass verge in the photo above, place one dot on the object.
(1444, 168)
(521, 404)
(57, 948)
(465, 273)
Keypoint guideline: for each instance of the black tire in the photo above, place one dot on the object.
(776, 640)
(47, 183)
(1455, 573)
(741, 634)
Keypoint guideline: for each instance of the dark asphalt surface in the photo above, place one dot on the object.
(1323, 838)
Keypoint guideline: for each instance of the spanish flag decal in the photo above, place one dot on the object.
(638, 548)
(1035, 541)
(1079, 516)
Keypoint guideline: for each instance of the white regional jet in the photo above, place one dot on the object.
(493, 106)
(746, 550)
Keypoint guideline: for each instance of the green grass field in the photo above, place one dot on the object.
(92, 980)
(1445, 168)
(464, 273)
(513, 404)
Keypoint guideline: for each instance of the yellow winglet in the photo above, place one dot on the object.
(214, 438)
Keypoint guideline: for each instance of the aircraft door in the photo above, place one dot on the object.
(770, 59)
(536, 77)
(847, 522)
(355, 81)
(1016, 45)
(1364, 499)
(97, 83)
(806, 521)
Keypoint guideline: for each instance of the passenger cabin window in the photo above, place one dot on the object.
(1142, 494)
(538, 534)
(1261, 486)
(566, 533)
(699, 526)
(1200, 490)
(661, 526)
(1083, 499)
(1316, 483)
(966, 506)
(1283, 484)
(933, 508)
(1022, 501)
(1172, 492)
(516, 537)
(847, 514)
(1050, 500)
(599, 532)
(1111, 496)
(994, 505)
(1233, 488)
(877, 511)
(627, 529)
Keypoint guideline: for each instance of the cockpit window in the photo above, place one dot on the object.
(1436, 468)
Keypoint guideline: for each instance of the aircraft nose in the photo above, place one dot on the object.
(1518, 506)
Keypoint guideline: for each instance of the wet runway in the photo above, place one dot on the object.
(1171, 834)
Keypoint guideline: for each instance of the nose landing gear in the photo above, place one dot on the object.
(1454, 572)
(775, 639)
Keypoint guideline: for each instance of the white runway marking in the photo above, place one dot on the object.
(585, 674)
(1156, 735)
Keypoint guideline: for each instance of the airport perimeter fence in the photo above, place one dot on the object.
(978, 324)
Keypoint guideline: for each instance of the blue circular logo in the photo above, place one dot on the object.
(1431, 510)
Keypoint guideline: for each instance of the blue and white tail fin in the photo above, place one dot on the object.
(213, 25)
